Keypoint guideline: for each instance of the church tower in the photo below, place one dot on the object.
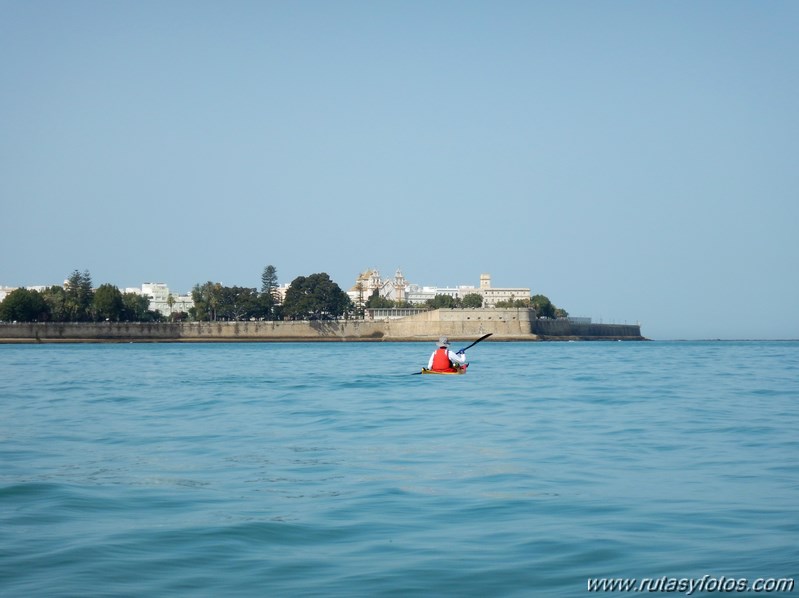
(399, 286)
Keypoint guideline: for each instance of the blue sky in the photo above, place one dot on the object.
(633, 161)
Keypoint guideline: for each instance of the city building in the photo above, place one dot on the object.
(493, 295)
(370, 281)
(394, 289)
(162, 300)
(418, 295)
(398, 289)
(280, 292)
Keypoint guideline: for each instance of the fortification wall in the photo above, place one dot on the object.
(190, 331)
(565, 330)
(88, 331)
(504, 324)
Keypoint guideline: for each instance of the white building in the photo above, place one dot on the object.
(370, 281)
(399, 289)
(492, 296)
(280, 292)
(419, 295)
(161, 299)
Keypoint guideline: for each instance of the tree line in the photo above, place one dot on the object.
(76, 301)
(313, 297)
(307, 298)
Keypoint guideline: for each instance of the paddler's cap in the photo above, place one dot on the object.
(443, 342)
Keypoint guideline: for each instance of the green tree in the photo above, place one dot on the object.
(315, 297)
(269, 281)
(265, 307)
(443, 302)
(136, 308)
(107, 303)
(79, 296)
(513, 303)
(178, 316)
(207, 300)
(360, 303)
(544, 308)
(377, 302)
(472, 300)
(237, 303)
(56, 299)
(22, 305)
(269, 298)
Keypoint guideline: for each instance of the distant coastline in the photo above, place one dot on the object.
(505, 324)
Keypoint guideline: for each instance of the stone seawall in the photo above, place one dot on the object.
(504, 324)
(565, 330)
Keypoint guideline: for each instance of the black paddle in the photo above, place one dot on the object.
(482, 338)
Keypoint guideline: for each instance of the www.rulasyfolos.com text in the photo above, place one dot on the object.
(688, 585)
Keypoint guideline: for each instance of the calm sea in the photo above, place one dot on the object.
(330, 470)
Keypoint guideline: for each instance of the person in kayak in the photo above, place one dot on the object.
(444, 360)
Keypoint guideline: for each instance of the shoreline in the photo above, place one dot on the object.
(188, 341)
(504, 324)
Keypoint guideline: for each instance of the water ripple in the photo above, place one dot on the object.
(210, 470)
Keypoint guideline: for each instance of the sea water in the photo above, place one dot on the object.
(331, 469)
